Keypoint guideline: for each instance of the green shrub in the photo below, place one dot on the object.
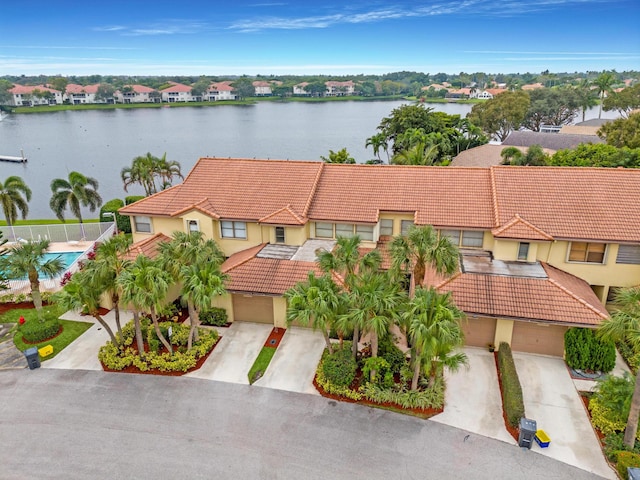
(614, 443)
(432, 397)
(339, 368)
(610, 403)
(392, 354)
(585, 351)
(383, 376)
(215, 316)
(627, 460)
(512, 400)
(629, 354)
(128, 200)
(35, 331)
(123, 222)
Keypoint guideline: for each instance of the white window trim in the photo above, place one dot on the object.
(233, 222)
(188, 224)
(604, 257)
(135, 223)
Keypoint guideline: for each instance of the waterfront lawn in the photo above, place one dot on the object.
(112, 106)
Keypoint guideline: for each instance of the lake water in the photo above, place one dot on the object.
(99, 143)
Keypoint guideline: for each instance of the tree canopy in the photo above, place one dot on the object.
(551, 106)
(596, 155)
(624, 101)
(499, 116)
(623, 132)
(341, 156)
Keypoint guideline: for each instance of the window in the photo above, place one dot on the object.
(452, 235)
(344, 230)
(143, 224)
(472, 238)
(386, 227)
(365, 232)
(193, 226)
(234, 229)
(523, 251)
(405, 225)
(279, 234)
(628, 254)
(324, 230)
(587, 252)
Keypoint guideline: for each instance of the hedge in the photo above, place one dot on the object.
(585, 351)
(35, 331)
(512, 400)
(340, 367)
(214, 316)
(123, 222)
(128, 200)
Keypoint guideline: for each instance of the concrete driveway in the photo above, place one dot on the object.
(472, 399)
(551, 399)
(294, 364)
(82, 353)
(235, 353)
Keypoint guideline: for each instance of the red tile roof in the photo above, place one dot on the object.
(147, 247)
(27, 89)
(561, 297)
(75, 88)
(140, 89)
(284, 216)
(221, 87)
(177, 87)
(519, 229)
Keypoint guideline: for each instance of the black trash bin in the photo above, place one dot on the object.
(33, 357)
(528, 430)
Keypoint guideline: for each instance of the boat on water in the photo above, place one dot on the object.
(11, 158)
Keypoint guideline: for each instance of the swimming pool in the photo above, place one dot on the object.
(67, 259)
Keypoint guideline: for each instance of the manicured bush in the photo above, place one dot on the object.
(35, 331)
(630, 355)
(585, 351)
(123, 222)
(610, 404)
(432, 397)
(512, 400)
(128, 200)
(392, 354)
(627, 460)
(216, 317)
(339, 368)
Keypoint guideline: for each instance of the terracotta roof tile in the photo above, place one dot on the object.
(518, 228)
(177, 87)
(559, 298)
(147, 247)
(27, 89)
(241, 257)
(284, 216)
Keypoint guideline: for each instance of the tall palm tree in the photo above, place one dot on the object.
(378, 142)
(76, 192)
(604, 82)
(14, 195)
(315, 302)
(28, 260)
(194, 262)
(81, 293)
(345, 260)
(624, 325)
(108, 265)
(419, 154)
(141, 171)
(144, 286)
(585, 96)
(166, 170)
(419, 248)
(434, 330)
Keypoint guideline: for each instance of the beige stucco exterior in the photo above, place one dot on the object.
(280, 312)
(504, 331)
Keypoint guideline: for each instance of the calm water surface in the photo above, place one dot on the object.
(99, 143)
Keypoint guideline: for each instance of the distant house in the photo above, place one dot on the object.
(136, 94)
(486, 155)
(30, 95)
(262, 89)
(552, 141)
(435, 86)
(79, 94)
(532, 86)
(177, 93)
(299, 89)
(220, 91)
(460, 93)
(589, 127)
(339, 89)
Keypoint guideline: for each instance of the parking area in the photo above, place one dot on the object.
(293, 367)
(472, 397)
(235, 353)
(551, 399)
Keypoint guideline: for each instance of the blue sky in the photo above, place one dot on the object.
(271, 37)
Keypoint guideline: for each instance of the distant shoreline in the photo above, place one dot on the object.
(251, 101)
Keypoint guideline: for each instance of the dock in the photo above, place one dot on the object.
(9, 158)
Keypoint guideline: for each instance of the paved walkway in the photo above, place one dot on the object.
(294, 364)
(590, 385)
(234, 355)
(551, 399)
(472, 398)
(10, 357)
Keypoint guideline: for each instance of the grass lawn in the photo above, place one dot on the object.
(70, 329)
(261, 363)
(102, 106)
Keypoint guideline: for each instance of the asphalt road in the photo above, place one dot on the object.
(81, 424)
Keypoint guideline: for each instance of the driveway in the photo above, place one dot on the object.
(472, 399)
(82, 353)
(235, 353)
(551, 399)
(294, 364)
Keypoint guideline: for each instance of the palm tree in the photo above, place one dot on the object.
(76, 192)
(14, 195)
(28, 260)
(107, 267)
(419, 154)
(604, 82)
(345, 260)
(586, 98)
(378, 142)
(195, 263)
(419, 248)
(167, 170)
(434, 330)
(534, 156)
(315, 302)
(511, 155)
(144, 286)
(83, 292)
(624, 325)
(141, 171)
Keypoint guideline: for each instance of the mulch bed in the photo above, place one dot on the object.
(418, 412)
(134, 369)
(7, 307)
(513, 431)
(46, 339)
(101, 311)
(274, 338)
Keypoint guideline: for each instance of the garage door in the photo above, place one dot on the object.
(479, 332)
(538, 338)
(253, 309)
